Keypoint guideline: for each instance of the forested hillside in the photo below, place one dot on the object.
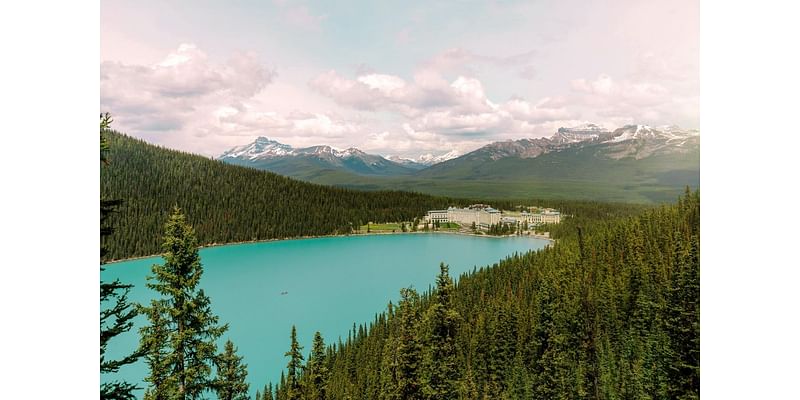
(226, 203)
(612, 310)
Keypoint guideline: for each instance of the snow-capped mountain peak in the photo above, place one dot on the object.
(636, 132)
(257, 149)
(430, 159)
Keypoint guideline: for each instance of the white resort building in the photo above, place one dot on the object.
(484, 216)
(481, 215)
(546, 216)
(437, 216)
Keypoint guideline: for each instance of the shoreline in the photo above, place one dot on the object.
(533, 236)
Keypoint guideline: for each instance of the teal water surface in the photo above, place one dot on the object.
(330, 283)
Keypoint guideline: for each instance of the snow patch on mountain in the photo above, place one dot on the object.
(263, 148)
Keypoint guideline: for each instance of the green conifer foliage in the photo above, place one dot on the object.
(442, 380)
(230, 383)
(267, 392)
(294, 369)
(409, 347)
(609, 311)
(183, 312)
(154, 343)
(116, 313)
(317, 370)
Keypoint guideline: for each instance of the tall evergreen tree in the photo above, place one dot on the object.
(230, 383)
(683, 324)
(317, 370)
(184, 311)
(267, 392)
(442, 371)
(294, 368)
(409, 347)
(116, 313)
(280, 388)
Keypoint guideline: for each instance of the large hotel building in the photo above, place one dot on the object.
(484, 216)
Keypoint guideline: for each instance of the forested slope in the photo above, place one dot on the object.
(227, 203)
(610, 312)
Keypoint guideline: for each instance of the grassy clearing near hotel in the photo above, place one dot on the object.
(385, 227)
(398, 227)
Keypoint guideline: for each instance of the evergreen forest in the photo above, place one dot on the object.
(611, 311)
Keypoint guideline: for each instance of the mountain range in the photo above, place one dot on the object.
(631, 163)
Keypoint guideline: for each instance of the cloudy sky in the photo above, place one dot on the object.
(393, 77)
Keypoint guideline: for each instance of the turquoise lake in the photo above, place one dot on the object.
(331, 283)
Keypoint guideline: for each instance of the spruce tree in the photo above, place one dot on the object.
(442, 371)
(267, 392)
(294, 368)
(317, 370)
(409, 347)
(388, 374)
(280, 388)
(184, 310)
(231, 383)
(116, 313)
(683, 322)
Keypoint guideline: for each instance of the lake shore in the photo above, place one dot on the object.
(532, 235)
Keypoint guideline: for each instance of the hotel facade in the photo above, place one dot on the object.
(479, 214)
(484, 216)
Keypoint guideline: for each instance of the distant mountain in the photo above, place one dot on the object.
(636, 163)
(430, 159)
(641, 153)
(407, 162)
(425, 160)
(307, 162)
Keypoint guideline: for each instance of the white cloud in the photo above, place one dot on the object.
(188, 101)
(430, 104)
(186, 96)
(654, 93)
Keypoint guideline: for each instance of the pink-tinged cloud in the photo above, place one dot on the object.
(204, 106)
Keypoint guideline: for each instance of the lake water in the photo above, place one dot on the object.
(331, 283)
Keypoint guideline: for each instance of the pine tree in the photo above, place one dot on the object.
(231, 383)
(116, 314)
(184, 311)
(683, 323)
(267, 392)
(388, 375)
(280, 389)
(294, 368)
(409, 347)
(317, 370)
(442, 372)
